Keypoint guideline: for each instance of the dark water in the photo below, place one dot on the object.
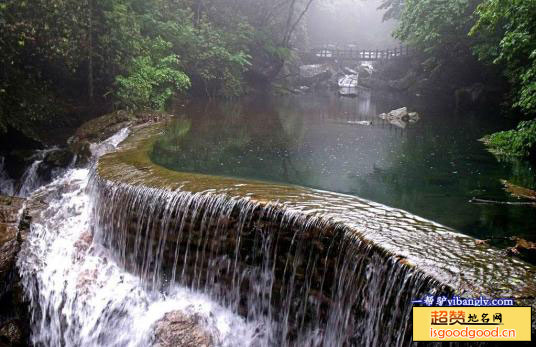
(431, 168)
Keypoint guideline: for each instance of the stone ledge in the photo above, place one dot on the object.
(454, 260)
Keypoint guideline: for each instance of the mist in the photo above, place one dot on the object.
(350, 22)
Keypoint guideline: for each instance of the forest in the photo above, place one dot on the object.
(66, 57)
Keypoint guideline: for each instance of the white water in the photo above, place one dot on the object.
(80, 296)
(30, 180)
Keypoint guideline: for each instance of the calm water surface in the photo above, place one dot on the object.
(431, 168)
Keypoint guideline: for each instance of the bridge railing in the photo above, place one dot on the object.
(354, 54)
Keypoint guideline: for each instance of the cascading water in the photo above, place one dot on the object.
(307, 281)
(78, 294)
(31, 179)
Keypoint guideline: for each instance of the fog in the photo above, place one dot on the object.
(349, 22)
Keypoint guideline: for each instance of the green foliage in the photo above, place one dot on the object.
(436, 26)
(507, 32)
(498, 32)
(507, 36)
(520, 142)
(61, 55)
(152, 79)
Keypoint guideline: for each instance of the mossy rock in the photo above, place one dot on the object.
(103, 127)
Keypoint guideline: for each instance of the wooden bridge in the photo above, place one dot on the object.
(328, 54)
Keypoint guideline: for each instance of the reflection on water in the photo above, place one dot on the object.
(432, 168)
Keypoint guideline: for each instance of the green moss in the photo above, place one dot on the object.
(520, 142)
(100, 128)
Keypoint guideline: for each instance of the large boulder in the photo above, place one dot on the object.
(54, 163)
(348, 85)
(314, 75)
(101, 128)
(314, 70)
(177, 329)
(400, 117)
(365, 70)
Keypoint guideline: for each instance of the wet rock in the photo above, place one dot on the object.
(82, 245)
(14, 226)
(518, 191)
(54, 163)
(365, 71)
(482, 243)
(414, 117)
(59, 158)
(177, 329)
(349, 71)
(101, 128)
(12, 334)
(82, 150)
(523, 249)
(9, 239)
(348, 85)
(400, 113)
(400, 117)
(85, 280)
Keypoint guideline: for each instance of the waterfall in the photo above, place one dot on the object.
(306, 280)
(79, 296)
(31, 178)
(105, 261)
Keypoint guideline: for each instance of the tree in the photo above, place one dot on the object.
(507, 37)
(507, 33)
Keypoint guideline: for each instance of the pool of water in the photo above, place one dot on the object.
(431, 168)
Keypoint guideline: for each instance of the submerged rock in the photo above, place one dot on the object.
(518, 191)
(177, 329)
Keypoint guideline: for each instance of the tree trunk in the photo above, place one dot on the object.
(91, 91)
